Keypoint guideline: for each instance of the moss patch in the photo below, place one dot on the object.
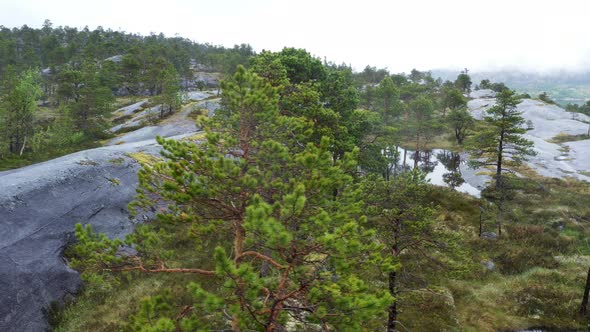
(144, 159)
(563, 137)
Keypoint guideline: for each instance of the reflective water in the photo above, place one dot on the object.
(443, 168)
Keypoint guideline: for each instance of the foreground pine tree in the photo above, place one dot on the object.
(281, 219)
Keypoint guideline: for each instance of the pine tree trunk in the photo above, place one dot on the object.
(392, 310)
(500, 222)
(584, 306)
(499, 184)
(480, 221)
(405, 155)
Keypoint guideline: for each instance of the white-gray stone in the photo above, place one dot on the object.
(482, 93)
(39, 206)
(549, 121)
(41, 203)
(489, 265)
(115, 58)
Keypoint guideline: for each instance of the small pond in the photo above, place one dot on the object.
(442, 168)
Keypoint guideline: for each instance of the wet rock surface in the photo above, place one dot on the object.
(559, 160)
(179, 123)
(40, 205)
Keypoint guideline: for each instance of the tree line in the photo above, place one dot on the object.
(72, 79)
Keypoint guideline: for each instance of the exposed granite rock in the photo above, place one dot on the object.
(39, 206)
(547, 121)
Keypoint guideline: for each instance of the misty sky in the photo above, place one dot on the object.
(400, 35)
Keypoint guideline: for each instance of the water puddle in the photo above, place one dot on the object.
(442, 168)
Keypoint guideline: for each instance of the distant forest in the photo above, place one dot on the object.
(564, 87)
(52, 47)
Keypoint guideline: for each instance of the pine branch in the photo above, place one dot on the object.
(161, 269)
(260, 256)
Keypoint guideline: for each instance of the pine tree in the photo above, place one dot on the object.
(460, 120)
(399, 211)
(18, 107)
(452, 99)
(170, 97)
(288, 245)
(388, 93)
(422, 125)
(92, 102)
(463, 81)
(501, 145)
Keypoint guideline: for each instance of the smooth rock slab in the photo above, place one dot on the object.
(39, 206)
(482, 93)
(130, 109)
(549, 121)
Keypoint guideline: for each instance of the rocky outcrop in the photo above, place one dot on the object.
(545, 122)
(115, 58)
(482, 93)
(177, 124)
(39, 206)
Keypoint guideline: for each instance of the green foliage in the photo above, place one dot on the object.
(545, 98)
(463, 82)
(53, 46)
(61, 134)
(405, 223)
(269, 66)
(460, 121)
(261, 226)
(389, 93)
(153, 315)
(485, 84)
(17, 110)
(371, 75)
(170, 91)
(93, 248)
(301, 66)
(574, 108)
(498, 87)
(453, 99)
(501, 143)
(88, 100)
(288, 234)
(422, 125)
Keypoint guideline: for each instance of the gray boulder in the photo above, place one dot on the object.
(489, 235)
(489, 265)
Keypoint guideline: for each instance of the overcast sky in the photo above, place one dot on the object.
(534, 35)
